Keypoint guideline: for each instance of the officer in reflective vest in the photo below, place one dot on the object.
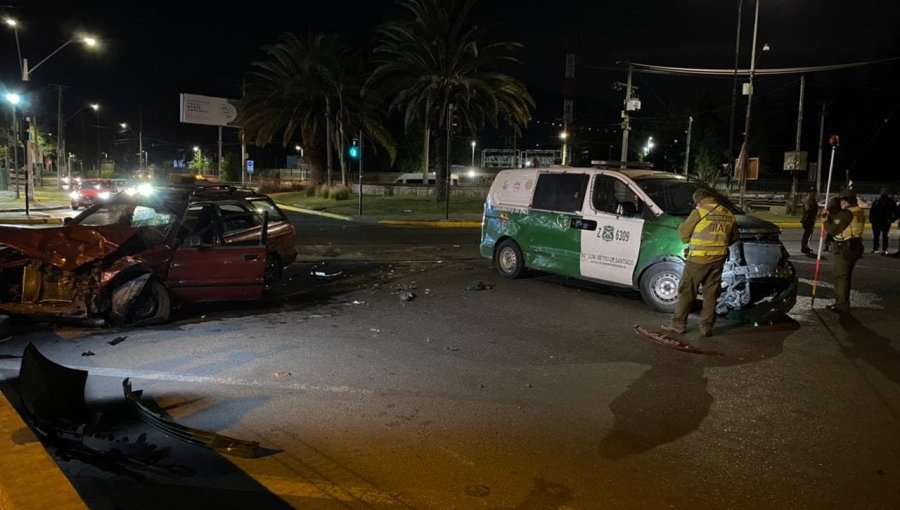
(709, 230)
(847, 227)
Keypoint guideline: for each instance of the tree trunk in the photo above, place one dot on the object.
(314, 155)
(426, 146)
(440, 163)
(328, 141)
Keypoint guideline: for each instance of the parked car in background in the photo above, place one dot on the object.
(131, 259)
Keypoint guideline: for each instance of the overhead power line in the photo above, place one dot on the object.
(699, 71)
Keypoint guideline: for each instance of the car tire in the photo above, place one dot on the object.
(659, 285)
(509, 260)
(74, 206)
(152, 306)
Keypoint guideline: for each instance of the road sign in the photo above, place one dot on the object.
(249, 166)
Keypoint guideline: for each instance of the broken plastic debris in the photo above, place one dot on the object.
(478, 285)
(407, 296)
(376, 330)
(117, 340)
(283, 373)
(87, 353)
(323, 274)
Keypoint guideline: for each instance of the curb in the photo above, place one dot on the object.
(433, 223)
(31, 478)
(314, 212)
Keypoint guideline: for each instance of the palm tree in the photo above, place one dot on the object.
(302, 84)
(436, 59)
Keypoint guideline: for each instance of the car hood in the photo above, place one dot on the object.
(753, 226)
(68, 247)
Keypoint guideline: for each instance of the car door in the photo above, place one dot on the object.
(610, 251)
(550, 234)
(204, 268)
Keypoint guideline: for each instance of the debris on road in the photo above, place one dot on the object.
(406, 296)
(666, 341)
(117, 340)
(479, 285)
(87, 353)
(282, 373)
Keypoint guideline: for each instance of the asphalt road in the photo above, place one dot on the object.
(529, 394)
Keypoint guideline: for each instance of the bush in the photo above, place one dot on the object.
(311, 191)
(322, 191)
(339, 193)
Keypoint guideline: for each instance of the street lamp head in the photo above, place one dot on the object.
(13, 98)
(95, 106)
(766, 47)
(296, 147)
(196, 149)
(563, 135)
(473, 143)
(89, 41)
(123, 125)
(11, 22)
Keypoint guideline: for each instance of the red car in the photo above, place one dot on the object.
(131, 259)
(90, 191)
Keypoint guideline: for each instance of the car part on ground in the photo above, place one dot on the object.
(218, 442)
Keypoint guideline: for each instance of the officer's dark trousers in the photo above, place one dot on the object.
(880, 232)
(807, 233)
(846, 253)
(694, 276)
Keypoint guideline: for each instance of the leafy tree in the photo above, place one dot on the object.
(311, 88)
(200, 163)
(436, 58)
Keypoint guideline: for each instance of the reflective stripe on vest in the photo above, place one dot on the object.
(710, 236)
(856, 227)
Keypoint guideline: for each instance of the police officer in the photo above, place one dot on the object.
(808, 220)
(846, 225)
(709, 230)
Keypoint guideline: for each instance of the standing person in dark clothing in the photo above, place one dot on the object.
(881, 215)
(709, 231)
(847, 227)
(808, 220)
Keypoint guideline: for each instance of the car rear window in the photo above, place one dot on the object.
(262, 205)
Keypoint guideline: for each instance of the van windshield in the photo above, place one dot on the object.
(675, 195)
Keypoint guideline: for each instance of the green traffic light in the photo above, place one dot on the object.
(354, 152)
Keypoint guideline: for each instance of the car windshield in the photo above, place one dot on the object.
(675, 195)
(159, 216)
(93, 184)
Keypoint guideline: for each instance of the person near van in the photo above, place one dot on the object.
(709, 231)
(808, 220)
(881, 215)
(847, 226)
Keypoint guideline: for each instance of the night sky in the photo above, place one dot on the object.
(152, 51)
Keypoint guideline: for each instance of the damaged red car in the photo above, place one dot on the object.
(131, 260)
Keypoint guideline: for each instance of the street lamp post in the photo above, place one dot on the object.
(745, 151)
(96, 108)
(473, 153)
(564, 137)
(26, 71)
(140, 137)
(13, 100)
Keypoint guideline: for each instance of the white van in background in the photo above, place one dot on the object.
(416, 178)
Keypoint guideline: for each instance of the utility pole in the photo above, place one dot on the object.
(60, 139)
(360, 170)
(687, 150)
(450, 108)
(626, 119)
(745, 153)
(568, 100)
(793, 205)
(821, 141)
(737, 53)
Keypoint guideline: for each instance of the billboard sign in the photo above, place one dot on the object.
(795, 161)
(211, 111)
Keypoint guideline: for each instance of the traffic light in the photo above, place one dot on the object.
(354, 149)
(25, 129)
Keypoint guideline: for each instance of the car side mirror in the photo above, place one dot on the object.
(67, 220)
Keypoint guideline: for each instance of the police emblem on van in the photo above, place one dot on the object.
(608, 233)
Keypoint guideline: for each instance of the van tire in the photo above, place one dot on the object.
(659, 285)
(509, 259)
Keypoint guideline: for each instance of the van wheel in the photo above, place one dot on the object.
(659, 286)
(509, 260)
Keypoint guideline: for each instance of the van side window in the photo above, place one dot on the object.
(610, 195)
(560, 192)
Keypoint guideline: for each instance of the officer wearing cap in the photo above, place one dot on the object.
(709, 230)
(846, 225)
(808, 220)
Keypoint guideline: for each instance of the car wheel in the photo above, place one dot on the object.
(659, 285)
(273, 271)
(74, 206)
(509, 259)
(152, 306)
